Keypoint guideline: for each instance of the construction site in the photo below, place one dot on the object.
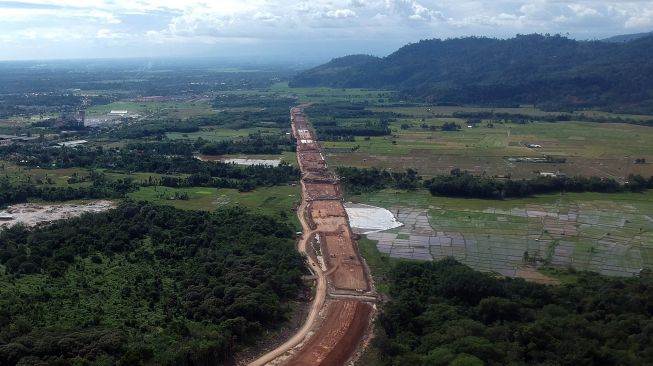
(340, 317)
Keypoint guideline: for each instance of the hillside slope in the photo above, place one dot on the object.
(551, 71)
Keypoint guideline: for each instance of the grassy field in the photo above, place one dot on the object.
(378, 262)
(607, 233)
(423, 199)
(180, 110)
(59, 177)
(275, 201)
(428, 111)
(324, 95)
(591, 149)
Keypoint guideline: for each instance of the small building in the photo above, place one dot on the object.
(553, 175)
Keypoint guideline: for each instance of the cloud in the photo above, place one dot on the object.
(340, 13)
(106, 33)
(136, 23)
(266, 17)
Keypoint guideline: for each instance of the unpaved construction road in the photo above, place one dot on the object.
(342, 309)
(318, 301)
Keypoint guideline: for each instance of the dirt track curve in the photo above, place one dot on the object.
(340, 316)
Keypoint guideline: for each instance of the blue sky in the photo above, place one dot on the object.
(305, 30)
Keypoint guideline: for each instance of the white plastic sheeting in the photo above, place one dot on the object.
(365, 219)
(268, 162)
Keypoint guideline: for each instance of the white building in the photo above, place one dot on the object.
(118, 113)
(72, 143)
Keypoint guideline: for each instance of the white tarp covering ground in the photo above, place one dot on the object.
(268, 162)
(365, 219)
(30, 214)
(239, 161)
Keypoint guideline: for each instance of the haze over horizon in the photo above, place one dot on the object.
(304, 31)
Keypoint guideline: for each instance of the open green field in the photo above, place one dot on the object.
(378, 262)
(423, 199)
(325, 95)
(426, 111)
(590, 149)
(180, 110)
(59, 177)
(275, 201)
(608, 233)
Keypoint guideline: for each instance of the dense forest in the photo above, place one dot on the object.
(148, 157)
(462, 184)
(144, 284)
(444, 313)
(357, 180)
(100, 187)
(552, 72)
(254, 144)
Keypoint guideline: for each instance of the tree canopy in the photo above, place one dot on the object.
(445, 313)
(553, 72)
(144, 284)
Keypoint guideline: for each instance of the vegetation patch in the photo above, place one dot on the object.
(146, 285)
(444, 313)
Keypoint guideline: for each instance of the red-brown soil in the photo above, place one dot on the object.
(337, 339)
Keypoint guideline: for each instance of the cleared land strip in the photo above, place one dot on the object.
(341, 313)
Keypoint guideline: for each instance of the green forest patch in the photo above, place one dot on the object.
(144, 284)
(221, 134)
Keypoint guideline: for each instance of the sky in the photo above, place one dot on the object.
(287, 30)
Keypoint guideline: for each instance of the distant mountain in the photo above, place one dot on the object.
(627, 37)
(550, 71)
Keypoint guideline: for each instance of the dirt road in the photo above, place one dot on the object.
(318, 301)
(342, 308)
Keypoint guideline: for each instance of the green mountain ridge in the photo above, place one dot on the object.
(627, 37)
(549, 71)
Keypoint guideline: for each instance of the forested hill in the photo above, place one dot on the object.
(550, 71)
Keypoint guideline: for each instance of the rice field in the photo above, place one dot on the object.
(611, 234)
(588, 148)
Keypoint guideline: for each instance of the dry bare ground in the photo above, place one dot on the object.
(30, 214)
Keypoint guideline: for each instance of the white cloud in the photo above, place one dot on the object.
(340, 13)
(106, 33)
(266, 17)
(135, 22)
